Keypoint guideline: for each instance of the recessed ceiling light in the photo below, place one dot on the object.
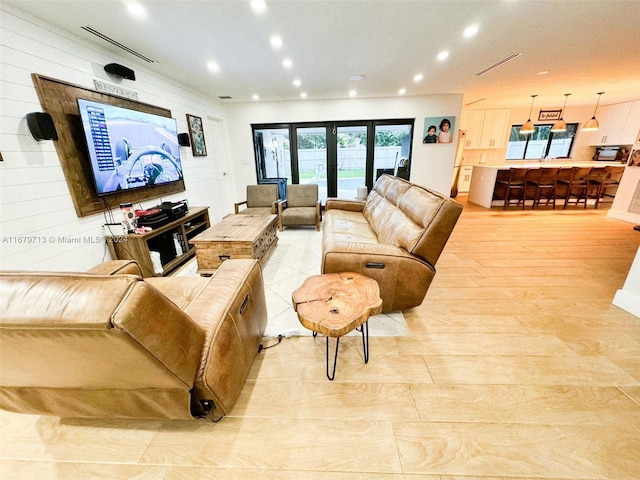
(255, 96)
(303, 94)
(287, 63)
(357, 77)
(297, 82)
(402, 91)
(352, 93)
(213, 66)
(276, 42)
(470, 31)
(136, 9)
(443, 55)
(418, 77)
(258, 6)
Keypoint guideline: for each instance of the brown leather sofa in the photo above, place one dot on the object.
(110, 344)
(395, 236)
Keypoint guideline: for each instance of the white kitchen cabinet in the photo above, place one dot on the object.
(471, 122)
(619, 124)
(631, 130)
(464, 180)
(485, 129)
(494, 128)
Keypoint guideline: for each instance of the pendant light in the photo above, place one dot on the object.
(529, 127)
(561, 125)
(593, 124)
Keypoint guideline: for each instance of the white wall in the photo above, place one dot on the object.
(38, 223)
(432, 165)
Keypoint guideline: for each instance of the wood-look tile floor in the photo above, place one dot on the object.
(517, 366)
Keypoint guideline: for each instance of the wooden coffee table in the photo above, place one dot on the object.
(334, 304)
(236, 236)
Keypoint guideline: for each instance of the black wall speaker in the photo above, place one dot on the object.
(41, 126)
(120, 70)
(183, 140)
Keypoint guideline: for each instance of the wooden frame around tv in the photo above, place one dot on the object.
(59, 99)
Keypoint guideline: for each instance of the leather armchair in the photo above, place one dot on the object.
(301, 207)
(110, 344)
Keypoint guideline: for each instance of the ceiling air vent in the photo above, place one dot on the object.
(475, 101)
(224, 97)
(497, 64)
(117, 44)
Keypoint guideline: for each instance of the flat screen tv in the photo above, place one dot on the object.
(129, 149)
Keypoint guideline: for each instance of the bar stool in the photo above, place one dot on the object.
(610, 179)
(514, 186)
(576, 185)
(594, 188)
(544, 182)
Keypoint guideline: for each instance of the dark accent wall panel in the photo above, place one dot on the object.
(59, 99)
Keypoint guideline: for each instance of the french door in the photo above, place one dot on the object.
(337, 156)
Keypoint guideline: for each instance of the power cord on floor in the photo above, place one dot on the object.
(262, 347)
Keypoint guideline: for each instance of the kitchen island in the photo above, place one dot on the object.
(483, 179)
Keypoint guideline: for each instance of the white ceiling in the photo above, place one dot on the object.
(586, 46)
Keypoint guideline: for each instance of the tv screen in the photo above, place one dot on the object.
(129, 149)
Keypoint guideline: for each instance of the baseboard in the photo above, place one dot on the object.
(624, 216)
(627, 301)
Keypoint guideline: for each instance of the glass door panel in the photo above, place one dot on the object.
(312, 158)
(391, 151)
(351, 160)
(273, 153)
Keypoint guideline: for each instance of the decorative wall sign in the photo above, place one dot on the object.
(198, 145)
(549, 115)
(115, 90)
(438, 129)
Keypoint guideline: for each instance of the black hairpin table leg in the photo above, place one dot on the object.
(335, 359)
(364, 328)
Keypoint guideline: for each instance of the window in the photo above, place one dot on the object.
(542, 143)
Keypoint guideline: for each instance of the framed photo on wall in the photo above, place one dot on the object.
(438, 129)
(196, 132)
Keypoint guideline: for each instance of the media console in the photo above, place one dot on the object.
(172, 241)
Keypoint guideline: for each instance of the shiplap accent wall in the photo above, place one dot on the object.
(39, 229)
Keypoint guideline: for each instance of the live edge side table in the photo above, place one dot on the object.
(335, 304)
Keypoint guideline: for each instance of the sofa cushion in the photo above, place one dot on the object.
(61, 300)
(299, 216)
(181, 293)
(345, 223)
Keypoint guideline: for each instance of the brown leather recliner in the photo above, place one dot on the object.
(110, 344)
(395, 236)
